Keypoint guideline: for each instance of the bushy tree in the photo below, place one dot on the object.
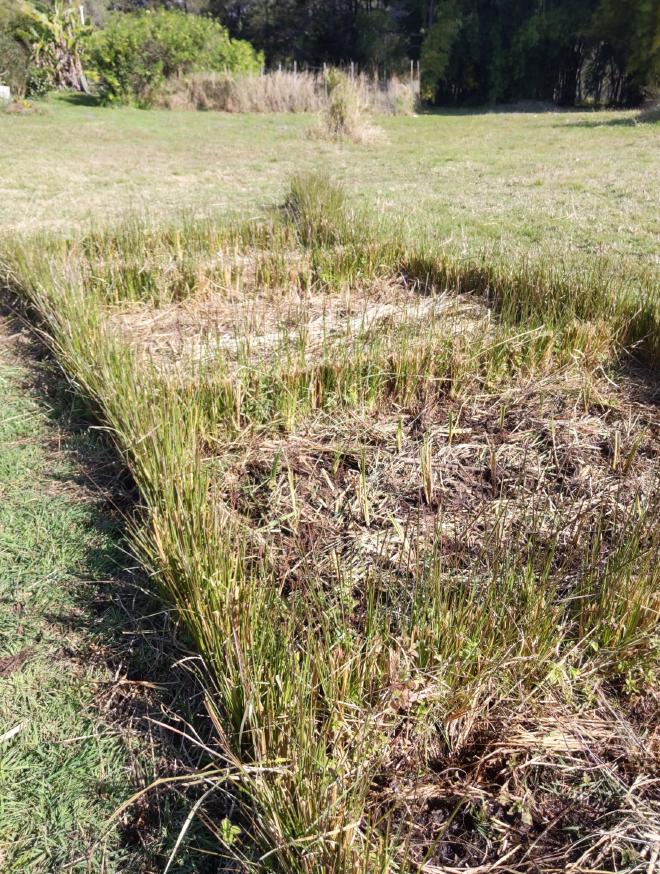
(373, 33)
(566, 51)
(438, 48)
(625, 62)
(14, 55)
(135, 53)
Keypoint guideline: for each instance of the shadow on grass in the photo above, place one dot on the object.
(74, 98)
(125, 629)
(527, 107)
(542, 108)
(596, 122)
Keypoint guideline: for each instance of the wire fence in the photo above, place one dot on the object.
(376, 73)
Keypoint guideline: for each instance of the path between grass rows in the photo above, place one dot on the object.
(72, 741)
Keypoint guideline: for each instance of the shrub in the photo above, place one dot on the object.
(14, 62)
(136, 53)
(343, 116)
(316, 207)
(39, 82)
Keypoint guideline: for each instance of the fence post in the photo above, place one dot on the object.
(295, 68)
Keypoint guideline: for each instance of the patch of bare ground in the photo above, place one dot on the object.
(552, 788)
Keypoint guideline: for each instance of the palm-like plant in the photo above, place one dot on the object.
(55, 41)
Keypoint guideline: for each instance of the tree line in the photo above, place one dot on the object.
(471, 51)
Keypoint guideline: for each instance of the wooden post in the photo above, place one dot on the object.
(295, 68)
(82, 15)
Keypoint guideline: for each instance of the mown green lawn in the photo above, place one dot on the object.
(582, 183)
(66, 760)
(64, 768)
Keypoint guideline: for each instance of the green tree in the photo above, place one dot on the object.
(14, 55)
(436, 53)
(625, 63)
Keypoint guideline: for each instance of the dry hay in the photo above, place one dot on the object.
(542, 463)
(547, 788)
(254, 323)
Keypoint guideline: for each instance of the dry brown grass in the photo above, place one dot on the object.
(282, 91)
(275, 92)
(258, 321)
(543, 462)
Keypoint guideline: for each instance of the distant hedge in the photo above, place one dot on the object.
(135, 53)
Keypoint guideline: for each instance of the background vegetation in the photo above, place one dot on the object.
(128, 60)
(470, 51)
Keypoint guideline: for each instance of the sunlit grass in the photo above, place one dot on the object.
(325, 675)
(567, 183)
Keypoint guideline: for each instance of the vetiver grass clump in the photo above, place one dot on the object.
(407, 517)
(343, 115)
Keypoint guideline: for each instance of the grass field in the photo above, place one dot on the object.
(400, 485)
(572, 182)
